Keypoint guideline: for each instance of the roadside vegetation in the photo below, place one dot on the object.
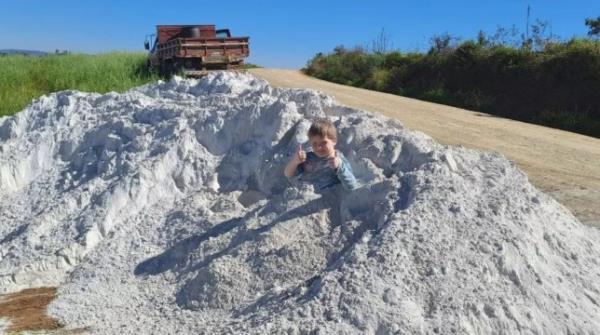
(246, 66)
(535, 78)
(23, 78)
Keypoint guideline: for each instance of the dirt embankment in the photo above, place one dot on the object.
(563, 164)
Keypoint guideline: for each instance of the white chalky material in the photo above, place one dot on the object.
(164, 210)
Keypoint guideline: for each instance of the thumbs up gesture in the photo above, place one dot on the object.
(334, 161)
(300, 154)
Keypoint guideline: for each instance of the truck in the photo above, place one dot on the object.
(193, 50)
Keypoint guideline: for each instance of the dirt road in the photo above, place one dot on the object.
(563, 164)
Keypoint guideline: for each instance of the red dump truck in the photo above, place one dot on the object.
(192, 50)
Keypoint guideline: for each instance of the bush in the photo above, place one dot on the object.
(379, 79)
(556, 86)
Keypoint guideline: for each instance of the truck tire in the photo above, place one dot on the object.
(166, 68)
(177, 67)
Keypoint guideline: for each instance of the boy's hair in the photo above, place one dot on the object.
(323, 128)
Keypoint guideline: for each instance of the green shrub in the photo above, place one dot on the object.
(379, 79)
(519, 83)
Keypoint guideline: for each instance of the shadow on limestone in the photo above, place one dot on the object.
(187, 294)
(366, 205)
(176, 257)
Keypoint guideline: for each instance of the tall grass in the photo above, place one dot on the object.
(23, 78)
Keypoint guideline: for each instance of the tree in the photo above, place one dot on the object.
(541, 35)
(340, 50)
(381, 44)
(442, 43)
(505, 36)
(593, 26)
(482, 39)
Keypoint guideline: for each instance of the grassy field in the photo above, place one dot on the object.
(23, 78)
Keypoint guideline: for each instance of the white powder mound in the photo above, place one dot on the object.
(4, 324)
(164, 210)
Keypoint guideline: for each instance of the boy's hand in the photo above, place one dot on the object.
(334, 162)
(300, 154)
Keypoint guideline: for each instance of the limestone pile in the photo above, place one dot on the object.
(165, 210)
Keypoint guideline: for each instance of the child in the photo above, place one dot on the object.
(324, 167)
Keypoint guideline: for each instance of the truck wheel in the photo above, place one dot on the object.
(166, 68)
(177, 67)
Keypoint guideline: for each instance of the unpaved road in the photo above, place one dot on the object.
(563, 164)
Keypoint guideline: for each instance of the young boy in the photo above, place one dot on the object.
(324, 167)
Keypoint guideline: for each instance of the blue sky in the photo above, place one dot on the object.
(282, 34)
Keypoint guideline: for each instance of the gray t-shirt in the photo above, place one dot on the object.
(315, 170)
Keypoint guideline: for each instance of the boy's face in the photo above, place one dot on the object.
(322, 146)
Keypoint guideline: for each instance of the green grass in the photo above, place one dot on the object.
(23, 78)
(249, 66)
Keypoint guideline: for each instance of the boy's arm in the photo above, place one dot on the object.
(345, 175)
(292, 166)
